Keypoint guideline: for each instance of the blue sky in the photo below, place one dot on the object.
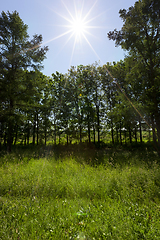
(51, 19)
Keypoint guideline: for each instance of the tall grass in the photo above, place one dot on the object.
(67, 193)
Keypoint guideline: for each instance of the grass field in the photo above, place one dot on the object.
(80, 192)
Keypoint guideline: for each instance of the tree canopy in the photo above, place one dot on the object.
(17, 54)
(118, 100)
(140, 37)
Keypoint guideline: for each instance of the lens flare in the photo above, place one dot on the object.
(77, 25)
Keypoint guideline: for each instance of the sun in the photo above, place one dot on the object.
(78, 27)
(78, 23)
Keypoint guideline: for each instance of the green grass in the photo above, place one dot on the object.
(77, 192)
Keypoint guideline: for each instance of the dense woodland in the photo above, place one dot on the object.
(118, 100)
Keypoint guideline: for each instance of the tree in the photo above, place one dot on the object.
(140, 37)
(17, 54)
(77, 102)
(87, 96)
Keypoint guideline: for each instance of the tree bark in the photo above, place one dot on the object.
(120, 133)
(37, 128)
(130, 134)
(98, 124)
(89, 132)
(153, 130)
(135, 134)
(55, 133)
(45, 136)
(10, 127)
(157, 119)
(80, 133)
(59, 138)
(15, 139)
(117, 134)
(34, 129)
(140, 130)
(125, 136)
(28, 133)
(45, 131)
(149, 134)
(112, 132)
(94, 134)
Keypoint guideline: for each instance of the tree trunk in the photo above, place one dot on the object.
(140, 130)
(55, 133)
(130, 134)
(98, 124)
(149, 134)
(59, 138)
(45, 131)
(15, 140)
(89, 132)
(34, 129)
(25, 140)
(37, 129)
(112, 132)
(28, 133)
(125, 136)
(135, 134)
(153, 131)
(9, 140)
(117, 134)
(67, 139)
(10, 128)
(5, 140)
(157, 119)
(45, 136)
(94, 134)
(80, 133)
(120, 132)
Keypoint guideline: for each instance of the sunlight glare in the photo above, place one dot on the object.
(78, 27)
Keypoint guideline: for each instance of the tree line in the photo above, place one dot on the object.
(120, 98)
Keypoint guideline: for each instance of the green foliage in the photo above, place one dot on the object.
(17, 54)
(116, 103)
(140, 37)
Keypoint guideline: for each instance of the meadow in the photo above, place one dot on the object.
(80, 191)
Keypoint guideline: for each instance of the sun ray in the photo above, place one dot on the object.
(73, 50)
(91, 19)
(59, 36)
(90, 10)
(85, 31)
(96, 27)
(68, 11)
(62, 16)
(91, 47)
(79, 11)
(64, 44)
(78, 24)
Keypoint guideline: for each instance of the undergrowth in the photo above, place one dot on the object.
(105, 193)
